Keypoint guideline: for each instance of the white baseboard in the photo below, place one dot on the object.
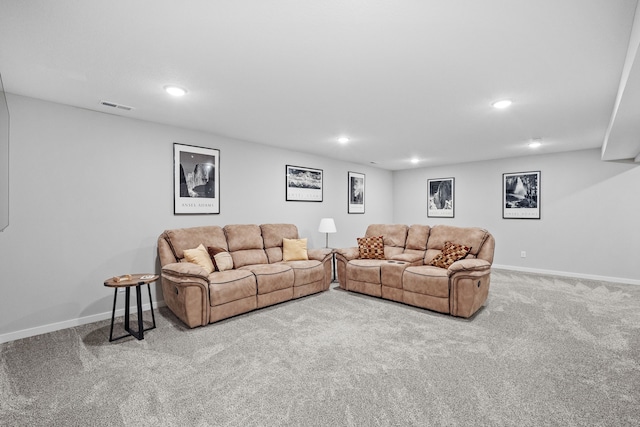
(568, 274)
(38, 330)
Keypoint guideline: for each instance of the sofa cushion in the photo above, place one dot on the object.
(417, 237)
(245, 244)
(294, 250)
(394, 235)
(468, 236)
(189, 238)
(272, 234)
(451, 252)
(243, 236)
(199, 256)
(371, 247)
(427, 280)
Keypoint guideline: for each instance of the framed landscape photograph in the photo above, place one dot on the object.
(196, 180)
(303, 184)
(355, 181)
(521, 195)
(440, 193)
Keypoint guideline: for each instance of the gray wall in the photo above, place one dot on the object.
(91, 192)
(589, 212)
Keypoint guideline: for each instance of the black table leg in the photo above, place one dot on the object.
(113, 313)
(153, 316)
(139, 334)
(127, 308)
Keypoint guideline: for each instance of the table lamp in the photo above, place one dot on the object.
(327, 226)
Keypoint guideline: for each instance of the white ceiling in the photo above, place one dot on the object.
(401, 78)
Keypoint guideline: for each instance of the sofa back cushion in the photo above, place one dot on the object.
(245, 244)
(394, 237)
(417, 238)
(272, 234)
(472, 237)
(182, 239)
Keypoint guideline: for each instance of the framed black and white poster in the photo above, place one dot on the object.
(440, 193)
(521, 195)
(355, 181)
(196, 180)
(303, 184)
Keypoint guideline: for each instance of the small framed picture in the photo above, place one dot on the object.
(355, 182)
(196, 180)
(303, 184)
(440, 193)
(521, 195)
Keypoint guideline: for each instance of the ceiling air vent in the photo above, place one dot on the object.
(117, 106)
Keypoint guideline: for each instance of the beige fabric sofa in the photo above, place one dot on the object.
(259, 277)
(405, 276)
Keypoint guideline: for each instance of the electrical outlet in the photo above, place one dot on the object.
(523, 254)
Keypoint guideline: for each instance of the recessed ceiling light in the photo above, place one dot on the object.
(343, 140)
(415, 160)
(535, 143)
(175, 90)
(503, 103)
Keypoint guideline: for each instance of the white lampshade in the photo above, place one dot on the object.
(327, 226)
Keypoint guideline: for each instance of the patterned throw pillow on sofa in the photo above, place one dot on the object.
(451, 252)
(371, 247)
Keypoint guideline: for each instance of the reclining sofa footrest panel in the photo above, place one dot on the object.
(231, 285)
(427, 280)
(364, 270)
(275, 297)
(373, 289)
(306, 272)
(393, 294)
(232, 308)
(426, 301)
(188, 301)
(308, 289)
(271, 277)
(468, 293)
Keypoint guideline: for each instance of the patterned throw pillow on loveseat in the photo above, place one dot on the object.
(451, 252)
(371, 247)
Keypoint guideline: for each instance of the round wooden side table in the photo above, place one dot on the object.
(128, 281)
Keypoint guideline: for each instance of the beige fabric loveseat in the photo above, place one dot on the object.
(259, 276)
(405, 274)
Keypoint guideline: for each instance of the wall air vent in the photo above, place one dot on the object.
(117, 106)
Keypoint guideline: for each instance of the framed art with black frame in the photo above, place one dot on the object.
(355, 181)
(303, 184)
(441, 198)
(521, 195)
(196, 180)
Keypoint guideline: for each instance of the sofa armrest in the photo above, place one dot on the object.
(347, 254)
(185, 287)
(185, 270)
(467, 265)
(320, 254)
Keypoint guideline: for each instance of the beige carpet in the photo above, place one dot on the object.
(543, 351)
